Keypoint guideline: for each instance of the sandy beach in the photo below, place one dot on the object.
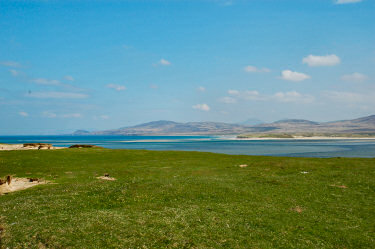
(306, 138)
(22, 147)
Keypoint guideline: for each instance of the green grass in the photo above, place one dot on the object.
(186, 200)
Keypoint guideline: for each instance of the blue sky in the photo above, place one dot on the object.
(67, 65)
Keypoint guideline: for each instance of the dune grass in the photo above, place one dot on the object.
(186, 200)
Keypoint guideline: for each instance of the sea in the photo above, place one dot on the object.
(219, 144)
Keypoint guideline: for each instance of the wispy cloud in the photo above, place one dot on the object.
(47, 82)
(354, 77)
(202, 107)
(23, 114)
(246, 95)
(252, 69)
(48, 114)
(14, 72)
(228, 100)
(71, 115)
(233, 92)
(321, 61)
(53, 82)
(293, 96)
(347, 1)
(10, 64)
(294, 76)
(56, 95)
(68, 77)
(164, 62)
(350, 97)
(116, 87)
(201, 89)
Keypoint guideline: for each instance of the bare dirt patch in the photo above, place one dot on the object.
(339, 186)
(106, 177)
(16, 184)
(297, 209)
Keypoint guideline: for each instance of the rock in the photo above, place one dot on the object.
(9, 179)
(33, 179)
(39, 146)
(84, 146)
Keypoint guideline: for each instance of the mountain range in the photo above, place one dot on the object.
(364, 125)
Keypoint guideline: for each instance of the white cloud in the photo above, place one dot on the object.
(71, 115)
(293, 96)
(354, 77)
(47, 82)
(233, 92)
(252, 69)
(164, 62)
(57, 95)
(349, 97)
(101, 117)
(23, 114)
(318, 61)
(202, 107)
(116, 87)
(347, 1)
(294, 76)
(14, 72)
(201, 89)
(10, 64)
(48, 114)
(228, 100)
(247, 95)
(68, 77)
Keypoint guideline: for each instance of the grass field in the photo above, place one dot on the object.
(186, 200)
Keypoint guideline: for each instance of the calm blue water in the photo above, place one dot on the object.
(294, 148)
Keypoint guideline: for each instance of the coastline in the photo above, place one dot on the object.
(7, 147)
(306, 138)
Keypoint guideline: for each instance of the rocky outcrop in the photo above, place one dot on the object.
(39, 146)
(84, 146)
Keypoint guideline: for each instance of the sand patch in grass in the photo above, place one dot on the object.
(17, 184)
(106, 178)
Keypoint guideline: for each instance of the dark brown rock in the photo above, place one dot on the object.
(33, 179)
(84, 146)
(9, 179)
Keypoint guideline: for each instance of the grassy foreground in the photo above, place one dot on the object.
(187, 200)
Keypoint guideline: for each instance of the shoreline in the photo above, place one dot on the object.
(8, 147)
(306, 138)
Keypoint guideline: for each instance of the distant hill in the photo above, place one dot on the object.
(81, 132)
(362, 125)
(164, 127)
(252, 121)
